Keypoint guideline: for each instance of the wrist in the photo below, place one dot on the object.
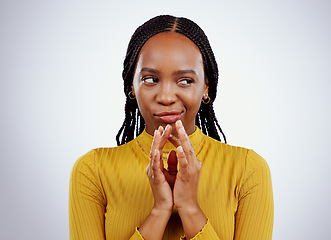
(189, 210)
(161, 212)
(154, 225)
(193, 220)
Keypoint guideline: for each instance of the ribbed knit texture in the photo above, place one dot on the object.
(110, 195)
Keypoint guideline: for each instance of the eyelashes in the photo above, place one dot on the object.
(185, 81)
(152, 80)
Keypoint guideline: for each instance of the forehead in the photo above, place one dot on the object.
(170, 47)
(168, 38)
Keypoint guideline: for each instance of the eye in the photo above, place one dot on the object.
(149, 79)
(185, 81)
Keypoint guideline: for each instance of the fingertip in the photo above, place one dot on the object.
(179, 123)
(180, 149)
(180, 152)
(167, 131)
(155, 135)
(181, 158)
(180, 128)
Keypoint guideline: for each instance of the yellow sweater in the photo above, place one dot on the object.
(110, 195)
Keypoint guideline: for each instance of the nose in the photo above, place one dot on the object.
(166, 94)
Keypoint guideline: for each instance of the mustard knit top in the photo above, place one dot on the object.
(110, 195)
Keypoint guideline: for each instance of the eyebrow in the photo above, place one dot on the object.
(151, 70)
(185, 71)
(146, 69)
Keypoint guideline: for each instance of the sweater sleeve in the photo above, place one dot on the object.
(254, 216)
(86, 201)
(136, 235)
(207, 232)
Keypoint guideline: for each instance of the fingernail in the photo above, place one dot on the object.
(180, 149)
(178, 123)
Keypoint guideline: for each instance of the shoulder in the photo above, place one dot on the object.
(84, 162)
(242, 158)
(254, 160)
(225, 150)
(257, 165)
(247, 168)
(98, 157)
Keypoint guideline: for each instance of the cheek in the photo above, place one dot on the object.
(193, 100)
(143, 99)
(141, 103)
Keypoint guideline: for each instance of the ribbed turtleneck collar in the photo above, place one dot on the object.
(145, 141)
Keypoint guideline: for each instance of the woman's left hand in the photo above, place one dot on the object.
(185, 190)
(187, 179)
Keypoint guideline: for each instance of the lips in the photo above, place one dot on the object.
(169, 117)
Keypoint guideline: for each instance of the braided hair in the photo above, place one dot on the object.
(205, 119)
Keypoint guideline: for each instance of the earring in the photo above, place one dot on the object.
(131, 96)
(207, 100)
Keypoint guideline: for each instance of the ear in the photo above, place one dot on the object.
(133, 93)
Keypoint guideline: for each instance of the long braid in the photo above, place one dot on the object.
(206, 120)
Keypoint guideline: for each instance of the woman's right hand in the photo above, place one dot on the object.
(163, 197)
(154, 225)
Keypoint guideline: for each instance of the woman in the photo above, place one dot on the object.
(196, 187)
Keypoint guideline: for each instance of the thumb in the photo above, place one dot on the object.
(172, 163)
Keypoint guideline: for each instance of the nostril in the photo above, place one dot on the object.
(166, 103)
(166, 97)
(166, 100)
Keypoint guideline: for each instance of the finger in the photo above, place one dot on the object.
(175, 141)
(154, 143)
(183, 163)
(164, 136)
(151, 163)
(172, 163)
(185, 141)
(155, 162)
(158, 141)
(160, 138)
(161, 131)
(156, 166)
(158, 162)
(148, 170)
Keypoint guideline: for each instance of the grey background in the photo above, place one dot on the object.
(62, 95)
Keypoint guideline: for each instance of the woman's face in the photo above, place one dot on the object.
(169, 81)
